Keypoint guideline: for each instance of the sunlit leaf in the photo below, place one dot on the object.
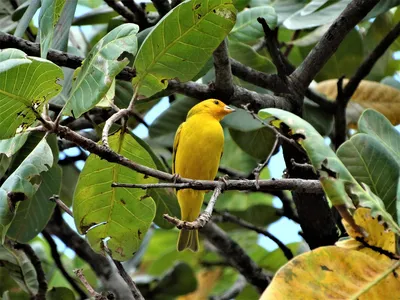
(181, 43)
(369, 94)
(117, 217)
(100, 68)
(313, 274)
(24, 89)
(247, 29)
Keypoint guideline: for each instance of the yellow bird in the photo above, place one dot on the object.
(198, 148)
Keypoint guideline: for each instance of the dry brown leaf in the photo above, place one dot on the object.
(369, 94)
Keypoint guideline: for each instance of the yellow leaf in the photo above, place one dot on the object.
(206, 280)
(369, 94)
(335, 273)
(377, 235)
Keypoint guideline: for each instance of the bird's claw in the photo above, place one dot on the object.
(224, 179)
(175, 177)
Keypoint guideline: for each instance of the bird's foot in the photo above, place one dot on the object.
(176, 177)
(224, 179)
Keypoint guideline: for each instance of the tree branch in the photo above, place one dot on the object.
(223, 73)
(99, 263)
(60, 266)
(273, 49)
(62, 59)
(204, 217)
(91, 290)
(121, 10)
(139, 13)
(330, 41)
(41, 276)
(128, 279)
(300, 185)
(236, 256)
(227, 217)
(162, 6)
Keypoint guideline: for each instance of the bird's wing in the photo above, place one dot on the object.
(176, 143)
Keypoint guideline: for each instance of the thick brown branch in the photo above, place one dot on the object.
(60, 58)
(139, 13)
(162, 6)
(331, 40)
(223, 73)
(236, 256)
(121, 9)
(300, 185)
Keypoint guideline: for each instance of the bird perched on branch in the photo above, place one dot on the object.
(198, 148)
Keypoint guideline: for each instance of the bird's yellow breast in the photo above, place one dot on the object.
(200, 148)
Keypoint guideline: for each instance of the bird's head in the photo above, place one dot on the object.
(212, 107)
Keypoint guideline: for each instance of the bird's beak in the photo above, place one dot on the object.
(229, 109)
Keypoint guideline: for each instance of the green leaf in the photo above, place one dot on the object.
(169, 120)
(181, 43)
(234, 157)
(241, 120)
(375, 124)
(371, 163)
(312, 38)
(24, 89)
(10, 146)
(339, 185)
(27, 18)
(321, 120)
(343, 61)
(240, 4)
(258, 143)
(247, 29)
(69, 179)
(62, 28)
(32, 215)
(283, 8)
(60, 293)
(274, 260)
(19, 268)
(119, 217)
(49, 15)
(100, 68)
(25, 180)
(168, 286)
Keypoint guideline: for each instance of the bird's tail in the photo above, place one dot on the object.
(190, 202)
(188, 239)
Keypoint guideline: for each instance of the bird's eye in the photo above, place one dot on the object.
(216, 102)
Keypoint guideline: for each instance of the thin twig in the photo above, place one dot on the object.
(57, 200)
(204, 217)
(60, 266)
(289, 47)
(293, 184)
(227, 217)
(128, 279)
(114, 118)
(41, 276)
(92, 292)
(260, 167)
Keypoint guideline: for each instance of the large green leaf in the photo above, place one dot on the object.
(375, 124)
(60, 293)
(24, 181)
(10, 146)
(181, 43)
(100, 68)
(27, 18)
(321, 120)
(69, 179)
(371, 163)
(283, 8)
(33, 215)
(19, 268)
(119, 217)
(172, 117)
(24, 89)
(62, 28)
(339, 185)
(247, 29)
(48, 18)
